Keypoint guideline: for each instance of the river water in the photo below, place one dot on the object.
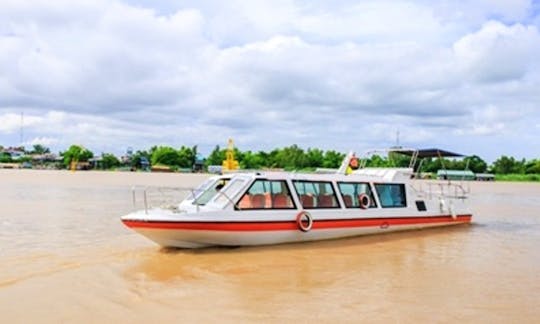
(66, 257)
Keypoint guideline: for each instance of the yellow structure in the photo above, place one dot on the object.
(230, 164)
(73, 165)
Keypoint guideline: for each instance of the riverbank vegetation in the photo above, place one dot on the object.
(288, 158)
(518, 177)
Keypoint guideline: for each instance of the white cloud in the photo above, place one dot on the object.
(11, 122)
(498, 52)
(492, 120)
(375, 21)
(475, 12)
(111, 74)
(45, 141)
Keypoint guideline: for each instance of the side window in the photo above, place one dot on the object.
(352, 194)
(316, 194)
(391, 195)
(267, 194)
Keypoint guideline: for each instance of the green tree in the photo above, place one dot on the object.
(166, 155)
(454, 164)
(135, 161)
(291, 157)
(76, 153)
(39, 149)
(507, 165)
(377, 161)
(216, 157)
(532, 167)
(314, 158)
(434, 165)
(186, 156)
(476, 164)
(5, 157)
(109, 161)
(251, 160)
(271, 158)
(332, 159)
(265, 158)
(194, 154)
(398, 160)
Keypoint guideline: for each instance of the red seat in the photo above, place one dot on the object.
(327, 201)
(258, 201)
(307, 201)
(347, 199)
(245, 202)
(281, 201)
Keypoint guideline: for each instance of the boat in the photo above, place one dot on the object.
(269, 207)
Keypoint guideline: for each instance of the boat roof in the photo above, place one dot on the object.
(456, 172)
(385, 174)
(364, 174)
(425, 153)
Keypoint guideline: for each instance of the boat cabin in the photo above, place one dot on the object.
(279, 190)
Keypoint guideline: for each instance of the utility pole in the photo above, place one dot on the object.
(22, 129)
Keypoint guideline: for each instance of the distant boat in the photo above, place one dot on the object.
(260, 208)
(161, 168)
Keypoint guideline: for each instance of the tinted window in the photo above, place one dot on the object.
(351, 192)
(316, 194)
(267, 194)
(391, 194)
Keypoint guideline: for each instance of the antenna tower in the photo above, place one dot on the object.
(22, 129)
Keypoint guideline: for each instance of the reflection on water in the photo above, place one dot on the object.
(335, 257)
(65, 254)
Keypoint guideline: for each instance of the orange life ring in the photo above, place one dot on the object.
(300, 221)
(353, 163)
(364, 201)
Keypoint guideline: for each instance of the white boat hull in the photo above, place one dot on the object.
(189, 234)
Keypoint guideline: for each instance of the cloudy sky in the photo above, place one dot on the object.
(461, 75)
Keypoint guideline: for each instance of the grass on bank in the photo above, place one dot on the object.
(518, 177)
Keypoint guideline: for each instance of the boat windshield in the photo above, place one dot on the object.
(232, 188)
(208, 190)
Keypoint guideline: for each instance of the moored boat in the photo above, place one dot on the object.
(260, 208)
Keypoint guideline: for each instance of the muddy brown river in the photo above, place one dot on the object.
(66, 257)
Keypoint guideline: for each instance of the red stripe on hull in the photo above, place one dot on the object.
(291, 225)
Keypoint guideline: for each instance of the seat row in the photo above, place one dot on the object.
(264, 201)
(261, 201)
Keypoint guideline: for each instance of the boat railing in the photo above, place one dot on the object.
(446, 189)
(162, 197)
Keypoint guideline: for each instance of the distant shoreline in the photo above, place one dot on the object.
(511, 178)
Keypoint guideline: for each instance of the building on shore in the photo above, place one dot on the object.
(455, 175)
(485, 177)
